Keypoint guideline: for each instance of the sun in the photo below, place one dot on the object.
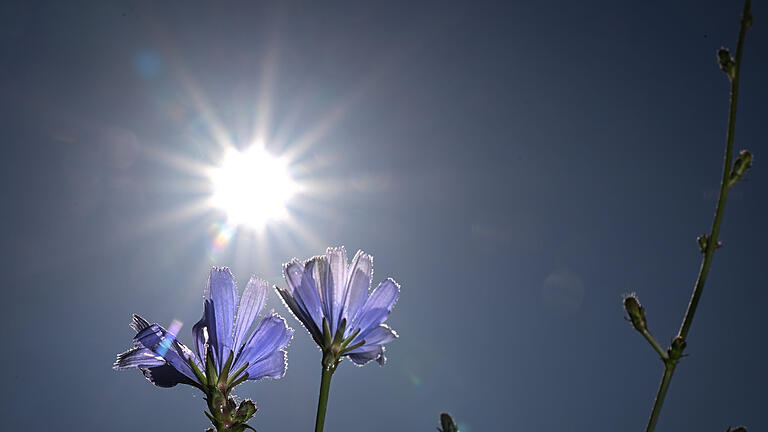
(252, 187)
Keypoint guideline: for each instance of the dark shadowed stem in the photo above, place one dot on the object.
(322, 403)
(712, 243)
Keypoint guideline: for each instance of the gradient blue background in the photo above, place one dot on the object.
(517, 167)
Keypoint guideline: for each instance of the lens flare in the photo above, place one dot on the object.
(252, 187)
(170, 336)
(221, 234)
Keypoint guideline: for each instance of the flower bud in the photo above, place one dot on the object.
(702, 241)
(245, 411)
(727, 63)
(447, 423)
(740, 166)
(675, 350)
(636, 312)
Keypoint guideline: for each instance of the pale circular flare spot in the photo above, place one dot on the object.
(252, 187)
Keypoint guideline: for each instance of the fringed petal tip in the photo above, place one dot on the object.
(136, 358)
(138, 323)
(363, 358)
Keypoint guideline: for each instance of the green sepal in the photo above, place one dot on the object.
(242, 379)
(339, 336)
(236, 375)
(198, 373)
(326, 334)
(225, 369)
(351, 337)
(210, 368)
(355, 346)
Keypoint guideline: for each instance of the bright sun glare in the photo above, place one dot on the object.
(252, 187)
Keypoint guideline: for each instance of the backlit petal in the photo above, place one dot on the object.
(251, 303)
(222, 292)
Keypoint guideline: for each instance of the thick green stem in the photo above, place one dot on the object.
(671, 363)
(322, 402)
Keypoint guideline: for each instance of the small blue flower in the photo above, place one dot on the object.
(332, 300)
(228, 353)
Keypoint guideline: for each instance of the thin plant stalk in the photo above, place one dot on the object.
(712, 240)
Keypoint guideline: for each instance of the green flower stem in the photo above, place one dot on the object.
(662, 393)
(720, 209)
(652, 340)
(322, 403)
(671, 362)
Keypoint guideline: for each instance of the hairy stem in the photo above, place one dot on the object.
(671, 363)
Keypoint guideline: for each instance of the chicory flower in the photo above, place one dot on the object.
(331, 299)
(228, 352)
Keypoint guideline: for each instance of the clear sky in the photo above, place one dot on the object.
(517, 167)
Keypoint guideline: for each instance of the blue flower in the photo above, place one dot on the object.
(224, 343)
(331, 299)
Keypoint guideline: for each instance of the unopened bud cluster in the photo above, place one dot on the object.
(225, 414)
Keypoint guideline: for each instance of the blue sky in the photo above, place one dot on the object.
(517, 167)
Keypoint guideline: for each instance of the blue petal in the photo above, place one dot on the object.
(138, 323)
(364, 357)
(304, 292)
(377, 336)
(377, 308)
(200, 330)
(152, 365)
(358, 283)
(270, 335)
(251, 303)
(137, 357)
(332, 272)
(272, 366)
(166, 376)
(301, 315)
(222, 292)
(151, 337)
(187, 353)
